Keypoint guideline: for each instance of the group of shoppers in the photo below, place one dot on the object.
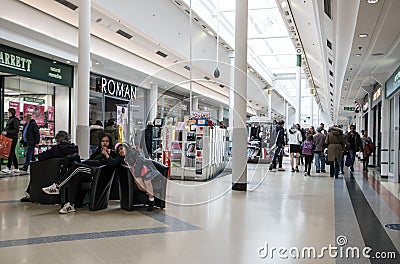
(321, 146)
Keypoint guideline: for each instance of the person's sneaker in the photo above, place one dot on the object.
(26, 198)
(23, 169)
(305, 174)
(16, 171)
(52, 189)
(281, 169)
(6, 170)
(308, 174)
(68, 208)
(292, 170)
(317, 171)
(150, 206)
(297, 169)
(271, 168)
(323, 171)
(341, 172)
(352, 169)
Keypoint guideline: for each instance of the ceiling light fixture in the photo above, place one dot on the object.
(363, 35)
(283, 4)
(372, 1)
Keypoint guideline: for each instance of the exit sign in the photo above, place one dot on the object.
(349, 108)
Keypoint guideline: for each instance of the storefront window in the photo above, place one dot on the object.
(123, 105)
(391, 137)
(172, 108)
(41, 100)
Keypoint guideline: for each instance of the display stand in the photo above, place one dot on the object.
(259, 140)
(197, 152)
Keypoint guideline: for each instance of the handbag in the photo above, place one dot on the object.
(5, 146)
(348, 161)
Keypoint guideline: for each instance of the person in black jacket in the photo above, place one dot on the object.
(11, 131)
(30, 140)
(280, 144)
(147, 140)
(82, 171)
(63, 148)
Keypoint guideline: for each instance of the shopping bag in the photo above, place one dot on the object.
(361, 155)
(5, 146)
(348, 161)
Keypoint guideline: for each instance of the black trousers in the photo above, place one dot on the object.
(76, 173)
(308, 161)
(12, 158)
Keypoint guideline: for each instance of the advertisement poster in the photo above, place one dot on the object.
(50, 113)
(51, 128)
(122, 119)
(14, 105)
(37, 112)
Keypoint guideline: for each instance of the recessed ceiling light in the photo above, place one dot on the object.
(363, 35)
(358, 54)
(68, 61)
(372, 1)
(211, 33)
(97, 63)
(284, 4)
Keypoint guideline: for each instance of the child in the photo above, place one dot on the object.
(307, 149)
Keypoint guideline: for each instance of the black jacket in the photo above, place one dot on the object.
(32, 135)
(12, 128)
(281, 136)
(59, 151)
(98, 159)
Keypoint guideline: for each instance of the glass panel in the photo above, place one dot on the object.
(391, 137)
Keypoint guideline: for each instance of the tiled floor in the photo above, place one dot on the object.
(204, 223)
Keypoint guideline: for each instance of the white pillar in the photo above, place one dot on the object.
(312, 111)
(195, 102)
(287, 114)
(82, 128)
(370, 127)
(153, 102)
(231, 87)
(270, 99)
(385, 135)
(221, 114)
(239, 142)
(298, 89)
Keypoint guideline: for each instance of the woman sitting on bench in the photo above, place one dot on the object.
(142, 169)
(75, 172)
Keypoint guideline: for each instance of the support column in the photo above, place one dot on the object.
(82, 128)
(153, 102)
(370, 127)
(287, 114)
(270, 99)
(312, 111)
(298, 89)
(385, 136)
(239, 142)
(231, 87)
(195, 102)
(221, 114)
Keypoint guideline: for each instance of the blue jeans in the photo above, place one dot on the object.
(29, 156)
(278, 151)
(319, 161)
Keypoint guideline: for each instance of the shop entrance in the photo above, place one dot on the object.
(40, 99)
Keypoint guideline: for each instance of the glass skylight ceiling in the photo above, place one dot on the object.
(271, 52)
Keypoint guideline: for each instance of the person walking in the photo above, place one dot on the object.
(354, 144)
(280, 144)
(368, 149)
(295, 139)
(307, 149)
(335, 143)
(11, 131)
(319, 141)
(30, 140)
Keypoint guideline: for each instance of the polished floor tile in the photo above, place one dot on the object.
(204, 222)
